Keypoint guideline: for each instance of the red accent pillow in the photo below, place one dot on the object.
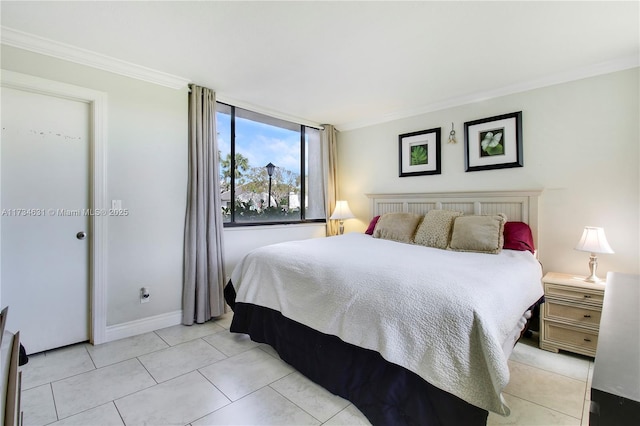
(517, 236)
(372, 225)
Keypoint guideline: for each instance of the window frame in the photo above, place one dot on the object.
(232, 223)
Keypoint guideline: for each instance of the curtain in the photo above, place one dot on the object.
(204, 275)
(330, 168)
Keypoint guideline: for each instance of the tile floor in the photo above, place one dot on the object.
(204, 375)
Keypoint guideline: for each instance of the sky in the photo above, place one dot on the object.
(260, 143)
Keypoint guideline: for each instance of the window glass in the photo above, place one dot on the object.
(266, 193)
(272, 176)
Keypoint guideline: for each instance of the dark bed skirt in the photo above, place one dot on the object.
(385, 393)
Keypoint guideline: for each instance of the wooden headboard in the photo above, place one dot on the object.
(520, 206)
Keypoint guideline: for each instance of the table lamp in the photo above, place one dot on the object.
(341, 212)
(593, 241)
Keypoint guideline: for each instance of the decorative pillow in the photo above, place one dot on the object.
(482, 234)
(372, 225)
(518, 236)
(435, 229)
(397, 227)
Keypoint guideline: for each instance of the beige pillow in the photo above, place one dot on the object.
(482, 234)
(435, 229)
(397, 226)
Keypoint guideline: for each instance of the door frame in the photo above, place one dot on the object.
(97, 183)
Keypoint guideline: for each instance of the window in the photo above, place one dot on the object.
(277, 168)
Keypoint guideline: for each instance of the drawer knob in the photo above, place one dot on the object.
(586, 296)
(587, 316)
(587, 340)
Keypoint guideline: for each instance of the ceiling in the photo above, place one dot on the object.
(350, 64)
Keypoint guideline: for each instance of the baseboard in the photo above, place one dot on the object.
(144, 325)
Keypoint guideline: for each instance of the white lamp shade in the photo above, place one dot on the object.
(594, 241)
(342, 211)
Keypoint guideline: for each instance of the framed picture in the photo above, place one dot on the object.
(493, 143)
(420, 153)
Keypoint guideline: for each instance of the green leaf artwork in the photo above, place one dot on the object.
(491, 143)
(419, 155)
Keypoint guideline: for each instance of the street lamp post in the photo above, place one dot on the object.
(270, 168)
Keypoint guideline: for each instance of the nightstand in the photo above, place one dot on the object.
(570, 317)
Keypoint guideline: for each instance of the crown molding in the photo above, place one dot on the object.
(620, 64)
(222, 97)
(22, 40)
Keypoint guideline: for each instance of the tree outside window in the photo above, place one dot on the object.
(254, 140)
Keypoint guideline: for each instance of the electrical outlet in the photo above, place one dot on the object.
(144, 295)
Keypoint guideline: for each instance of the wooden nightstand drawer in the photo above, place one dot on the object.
(577, 294)
(579, 338)
(570, 316)
(582, 315)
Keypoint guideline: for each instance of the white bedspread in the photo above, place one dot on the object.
(441, 314)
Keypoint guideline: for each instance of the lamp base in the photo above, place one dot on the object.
(593, 279)
(341, 227)
(593, 266)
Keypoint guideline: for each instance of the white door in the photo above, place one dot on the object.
(45, 153)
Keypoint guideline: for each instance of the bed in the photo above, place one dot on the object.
(412, 321)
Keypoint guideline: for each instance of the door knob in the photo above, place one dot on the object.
(81, 235)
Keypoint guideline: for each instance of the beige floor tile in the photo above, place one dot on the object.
(175, 402)
(525, 413)
(184, 333)
(38, 406)
(268, 349)
(263, 407)
(545, 388)
(123, 349)
(245, 373)
(550, 390)
(230, 344)
(589, 381)
(88, 390)
(180, 359)
(224, 321)
(567, 364)
(312, 398)
(55, 365)
(350, 416)
(585, 413)
(103, 415)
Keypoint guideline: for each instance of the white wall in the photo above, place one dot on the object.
(147, 170)
(581, 144)
(241, 240)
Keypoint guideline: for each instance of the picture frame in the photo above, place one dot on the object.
(419, 153)
(493, 142)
